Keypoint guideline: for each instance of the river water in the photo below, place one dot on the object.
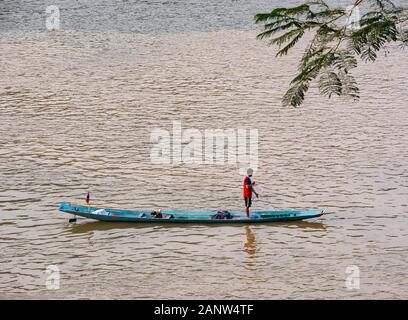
(77, 110)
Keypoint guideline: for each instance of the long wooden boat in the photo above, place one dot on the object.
(188, 216)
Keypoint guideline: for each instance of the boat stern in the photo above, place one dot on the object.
(64, 207)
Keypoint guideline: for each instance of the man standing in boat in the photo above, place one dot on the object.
(248, 190)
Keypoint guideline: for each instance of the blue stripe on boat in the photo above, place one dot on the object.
(188, 216)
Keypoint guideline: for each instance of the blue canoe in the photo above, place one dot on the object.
(181, 216)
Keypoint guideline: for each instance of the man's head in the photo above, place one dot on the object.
(250, 172)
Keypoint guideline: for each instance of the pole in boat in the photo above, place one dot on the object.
(89, 206)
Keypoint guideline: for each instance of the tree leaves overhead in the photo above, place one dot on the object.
(336, 45)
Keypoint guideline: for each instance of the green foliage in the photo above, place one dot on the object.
(335, 46)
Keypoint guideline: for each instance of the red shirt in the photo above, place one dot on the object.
(247, 183)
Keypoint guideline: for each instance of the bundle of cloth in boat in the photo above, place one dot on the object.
(101, 212)
(158, 214)
(222, 215)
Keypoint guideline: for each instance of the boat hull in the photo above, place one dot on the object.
(180, 216)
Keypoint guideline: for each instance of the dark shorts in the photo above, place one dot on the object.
(248, 202)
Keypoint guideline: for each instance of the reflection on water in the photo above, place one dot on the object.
(250, 245)
(86, 226)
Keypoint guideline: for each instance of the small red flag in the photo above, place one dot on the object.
(87, 198)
